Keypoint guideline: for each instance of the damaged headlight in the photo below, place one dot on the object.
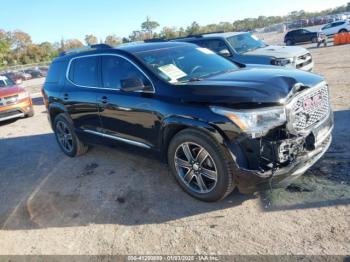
(281, 61)
(256, 122)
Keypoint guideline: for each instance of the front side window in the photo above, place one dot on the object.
(185, 63)
(6, 82)
(246, 42)
(117, 70)
(84, 71)
(215, 45)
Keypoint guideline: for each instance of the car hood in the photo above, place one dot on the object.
(10, 90)
(279, 51)
(251, 85)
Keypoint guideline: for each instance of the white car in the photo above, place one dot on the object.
(336, 27)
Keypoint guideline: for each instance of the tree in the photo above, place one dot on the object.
(91, 39)
(169, 32)
(149, 26)
(19, 39)
(138, 36)
(348, 7)
(113, 40)
(193, 29)
(72, 43)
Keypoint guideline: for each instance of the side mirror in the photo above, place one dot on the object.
(224, 52)
(134, 84)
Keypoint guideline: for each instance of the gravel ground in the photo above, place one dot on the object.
(124, 201)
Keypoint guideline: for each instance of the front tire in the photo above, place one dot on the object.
(30, 112)
(314, 40)
(66, 137)
(200, 165)
(343, 31)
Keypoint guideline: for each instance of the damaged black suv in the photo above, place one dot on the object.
(218, 126)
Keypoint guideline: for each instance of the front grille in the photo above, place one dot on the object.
(306, 110)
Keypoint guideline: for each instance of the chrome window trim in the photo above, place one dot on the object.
(120, 139)
(105, 88)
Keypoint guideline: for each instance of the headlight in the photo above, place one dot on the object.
(23, 95)
(256, 122)
(281, 61)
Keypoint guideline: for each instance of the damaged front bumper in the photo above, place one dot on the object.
(249, 181)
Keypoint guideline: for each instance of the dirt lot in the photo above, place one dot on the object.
(123, 201)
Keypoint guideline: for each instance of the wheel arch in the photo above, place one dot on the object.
(173, 125)
(55, 109)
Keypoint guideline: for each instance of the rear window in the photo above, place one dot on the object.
(83, 71)
(56, 70)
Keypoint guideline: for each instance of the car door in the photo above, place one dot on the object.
(327, 29)
(305, 36)
(79, 93)
(127, 115)
(298, 36)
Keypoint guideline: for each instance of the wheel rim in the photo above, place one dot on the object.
(64, 136)
(195, 167)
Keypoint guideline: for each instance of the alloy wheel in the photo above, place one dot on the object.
(195, 167)
(64, 136)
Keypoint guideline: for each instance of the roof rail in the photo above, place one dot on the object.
(85, 48)
(155, 40)
(209, 33)
(196, 35)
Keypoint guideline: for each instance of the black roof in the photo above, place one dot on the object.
(141, 47)
(127, 48)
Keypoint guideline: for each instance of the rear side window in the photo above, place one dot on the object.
(56, 70)
(83, 71)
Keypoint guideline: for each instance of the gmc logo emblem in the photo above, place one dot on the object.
(312, 102)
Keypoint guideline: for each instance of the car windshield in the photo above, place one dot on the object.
(185, 63)
(6, 82)
(246, 42)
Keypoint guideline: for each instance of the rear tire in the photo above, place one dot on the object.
(66, 137)
(289, 42)
(200, 165)
(314, 40)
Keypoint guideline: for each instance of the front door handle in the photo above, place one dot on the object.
(65, 96)
(103, 100)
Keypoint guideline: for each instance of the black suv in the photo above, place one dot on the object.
(218, 126)
(300, 36)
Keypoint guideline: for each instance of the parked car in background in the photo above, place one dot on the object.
(217, 126)
(15, 101)
(15, 77)
(245, 48)
(34, 73)
(24, 75)
(300, 36)
(336, 27)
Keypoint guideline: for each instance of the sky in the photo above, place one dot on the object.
(52, 20)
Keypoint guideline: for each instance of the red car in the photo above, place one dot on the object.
(15, 101)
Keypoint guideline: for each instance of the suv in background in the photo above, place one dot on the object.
(15, 101)
(245, 48)
(218, 126)
(300, 36)
(336, 27)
